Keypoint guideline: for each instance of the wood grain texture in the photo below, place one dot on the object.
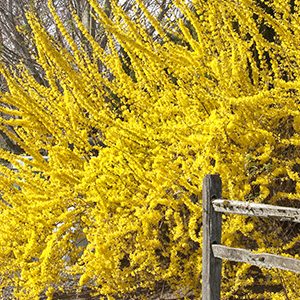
(212, 228)
(264, 260)
(257, 209)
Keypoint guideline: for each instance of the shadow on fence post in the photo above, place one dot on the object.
(212, 229)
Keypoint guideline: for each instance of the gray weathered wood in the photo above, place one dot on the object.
(257, 209)
(264, 260)
(212, 227)
(213, 252)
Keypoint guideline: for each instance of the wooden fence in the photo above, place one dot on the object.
(214, 252)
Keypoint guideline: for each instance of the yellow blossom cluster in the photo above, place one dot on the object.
(116, 204)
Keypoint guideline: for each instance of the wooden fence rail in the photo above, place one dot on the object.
(213, 252)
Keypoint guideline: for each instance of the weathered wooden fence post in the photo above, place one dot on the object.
(212, 229)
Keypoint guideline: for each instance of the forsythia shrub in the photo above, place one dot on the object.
(128, 147)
